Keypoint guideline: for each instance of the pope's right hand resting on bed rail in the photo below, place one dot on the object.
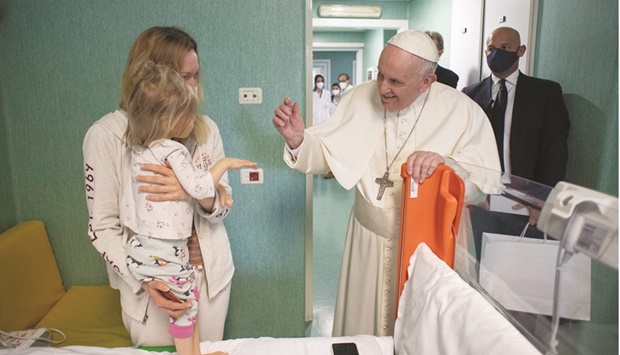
(173, 308)
(289, 123)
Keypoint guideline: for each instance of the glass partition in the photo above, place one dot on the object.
(545, 257)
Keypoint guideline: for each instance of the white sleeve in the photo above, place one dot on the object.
(102, 151)
(216, 150)
(308, 158)
(197, 183)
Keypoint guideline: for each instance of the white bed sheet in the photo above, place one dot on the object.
(366, 345)
(438, 314)
(442, 314)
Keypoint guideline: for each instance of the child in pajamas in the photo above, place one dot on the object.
(162, 109)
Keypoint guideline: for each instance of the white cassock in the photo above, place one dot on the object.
(351, 144)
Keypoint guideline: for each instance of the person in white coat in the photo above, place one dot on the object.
(145, 311)
(321, 98)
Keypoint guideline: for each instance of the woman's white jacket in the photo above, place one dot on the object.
(106, 167)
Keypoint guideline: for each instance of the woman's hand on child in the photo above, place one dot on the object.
(173, 308)
(161, 187)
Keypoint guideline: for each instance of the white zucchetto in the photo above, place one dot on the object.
(417, 43)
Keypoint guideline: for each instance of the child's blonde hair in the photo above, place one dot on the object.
(163, 46)
(160, 101)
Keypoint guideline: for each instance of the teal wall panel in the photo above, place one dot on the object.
(577, 46)
(61, 63)
(7, 208)
(374, 43)
(338, 36)
(434, 16)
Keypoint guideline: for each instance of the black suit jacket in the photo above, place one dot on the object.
(539, 131)
(446, 76)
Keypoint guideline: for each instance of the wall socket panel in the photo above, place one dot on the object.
(250, 96)
(252, 176)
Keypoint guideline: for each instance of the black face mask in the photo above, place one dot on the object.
(500, 60)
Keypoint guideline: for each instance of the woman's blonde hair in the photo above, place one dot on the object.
(166, 46)
(161, 104)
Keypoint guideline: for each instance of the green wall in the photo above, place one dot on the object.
(433, 15)
(60, 69)
(373, 45)
(7, 215)
(338, 36)
(569, 50)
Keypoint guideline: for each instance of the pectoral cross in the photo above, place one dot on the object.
(383, 183)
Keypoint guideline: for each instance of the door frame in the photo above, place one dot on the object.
(325, 64)
(329, 24)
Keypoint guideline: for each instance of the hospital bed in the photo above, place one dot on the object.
(445, 306)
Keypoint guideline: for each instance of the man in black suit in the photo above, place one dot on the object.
(535, 125)
(444, 75)
(531, 129)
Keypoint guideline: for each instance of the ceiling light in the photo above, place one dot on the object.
(349, 11)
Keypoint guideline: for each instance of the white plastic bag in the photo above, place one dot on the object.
(519, 273)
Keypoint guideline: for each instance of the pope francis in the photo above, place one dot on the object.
(404, 116)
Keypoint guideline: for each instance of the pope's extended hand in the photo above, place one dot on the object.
(289, 123)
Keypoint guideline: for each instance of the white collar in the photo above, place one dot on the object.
(510, 79)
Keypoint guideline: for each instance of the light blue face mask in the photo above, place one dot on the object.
(500, 60)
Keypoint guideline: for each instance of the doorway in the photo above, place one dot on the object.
(322, 67)
(328, 205)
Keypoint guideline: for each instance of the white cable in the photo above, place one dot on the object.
(563, 258)
(14, 336)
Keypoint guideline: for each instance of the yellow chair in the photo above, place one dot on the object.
(32, 294)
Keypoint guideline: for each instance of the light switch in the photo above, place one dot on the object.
(252, 176)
